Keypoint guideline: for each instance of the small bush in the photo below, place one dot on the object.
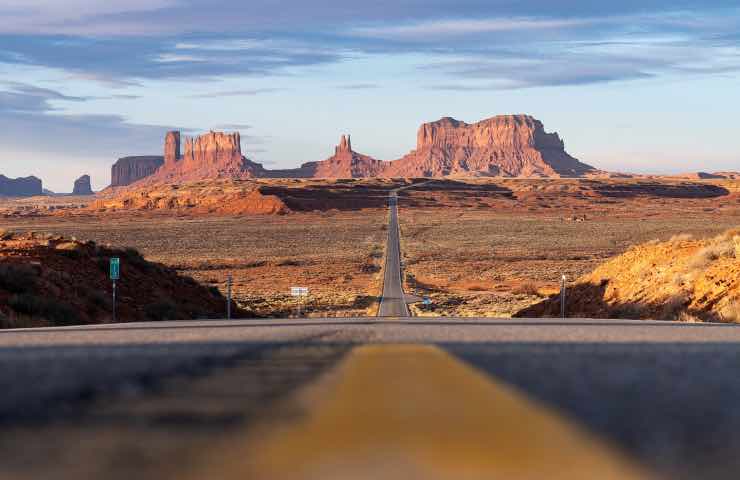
(526, 288)
(56, 312)
(674, 306)
(681, 237)
(628, 311)
(164, 309)
(731, 312)
(100, 300)
(18, 278)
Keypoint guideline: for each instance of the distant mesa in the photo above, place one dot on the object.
(20, 187)
(82, 186)
(128, 170)
(502, 146)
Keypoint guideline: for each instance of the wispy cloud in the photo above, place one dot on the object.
(358, 86)
(237, 93)
(437, 28)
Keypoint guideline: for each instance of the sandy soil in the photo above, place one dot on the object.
(336, 254)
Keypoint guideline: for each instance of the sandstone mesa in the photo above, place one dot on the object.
(501, 146)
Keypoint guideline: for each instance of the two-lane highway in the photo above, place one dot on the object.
(393, 301)
(368, 398)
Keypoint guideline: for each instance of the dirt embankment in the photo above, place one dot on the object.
(681, 279)
(207, 197)
(52, 281)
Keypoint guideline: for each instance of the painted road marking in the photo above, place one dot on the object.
(407, 412)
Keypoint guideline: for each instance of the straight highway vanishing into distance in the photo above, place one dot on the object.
(393, 300)
(393, 398)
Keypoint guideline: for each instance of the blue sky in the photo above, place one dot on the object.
(645, 86)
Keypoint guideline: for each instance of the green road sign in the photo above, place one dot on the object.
(115, 268)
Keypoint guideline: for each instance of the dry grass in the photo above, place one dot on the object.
(512, 241)
(336, 255)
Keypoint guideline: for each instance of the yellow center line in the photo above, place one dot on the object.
(412, 411)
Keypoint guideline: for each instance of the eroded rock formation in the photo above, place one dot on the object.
(20, 187)
(346, 163)
(82, 186)
(128, 170)
(506, 145)
(212, 155)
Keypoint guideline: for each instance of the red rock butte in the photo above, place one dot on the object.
(505, 146)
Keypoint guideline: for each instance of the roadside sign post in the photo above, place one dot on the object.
(229, 279)
(115, 274)
(301, 293)
(562, 297)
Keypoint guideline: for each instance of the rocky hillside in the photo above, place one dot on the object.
(47, 280)
(20, 187)
(682, 279)
(226, 197)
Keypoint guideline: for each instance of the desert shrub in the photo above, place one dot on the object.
(18, 278)
(100, 300)
(686, 317)
(731, 312)
(71, 250)
(526, 288)
(681, 237)
(164, 309)
(628, 311)
(290, 263)
(58, 313)
(370, 268)
(255, 264)
(674, 306)
(214, 291)
(103, 264)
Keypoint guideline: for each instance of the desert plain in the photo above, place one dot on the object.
(474, 247)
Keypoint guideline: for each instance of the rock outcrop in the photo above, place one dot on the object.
(171, 149)
(209, 156)
(222, 197)
(506, 145)
(82, 186)
(128, 170)
(20, 187)
(345, 163)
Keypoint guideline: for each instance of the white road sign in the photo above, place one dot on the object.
(299, 291)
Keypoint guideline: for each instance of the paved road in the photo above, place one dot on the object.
(393, 301)
(613, 399)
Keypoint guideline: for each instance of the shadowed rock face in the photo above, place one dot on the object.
(128, 170)
(82, 186)
(20, 187)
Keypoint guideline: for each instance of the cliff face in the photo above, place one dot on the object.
(82, 186)
(506, 145)
(20, 187)
(346, 163)
(128, 170)
(213, 155)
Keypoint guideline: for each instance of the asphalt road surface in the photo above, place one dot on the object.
(401, 398)
(393, 300)
(389, 397)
